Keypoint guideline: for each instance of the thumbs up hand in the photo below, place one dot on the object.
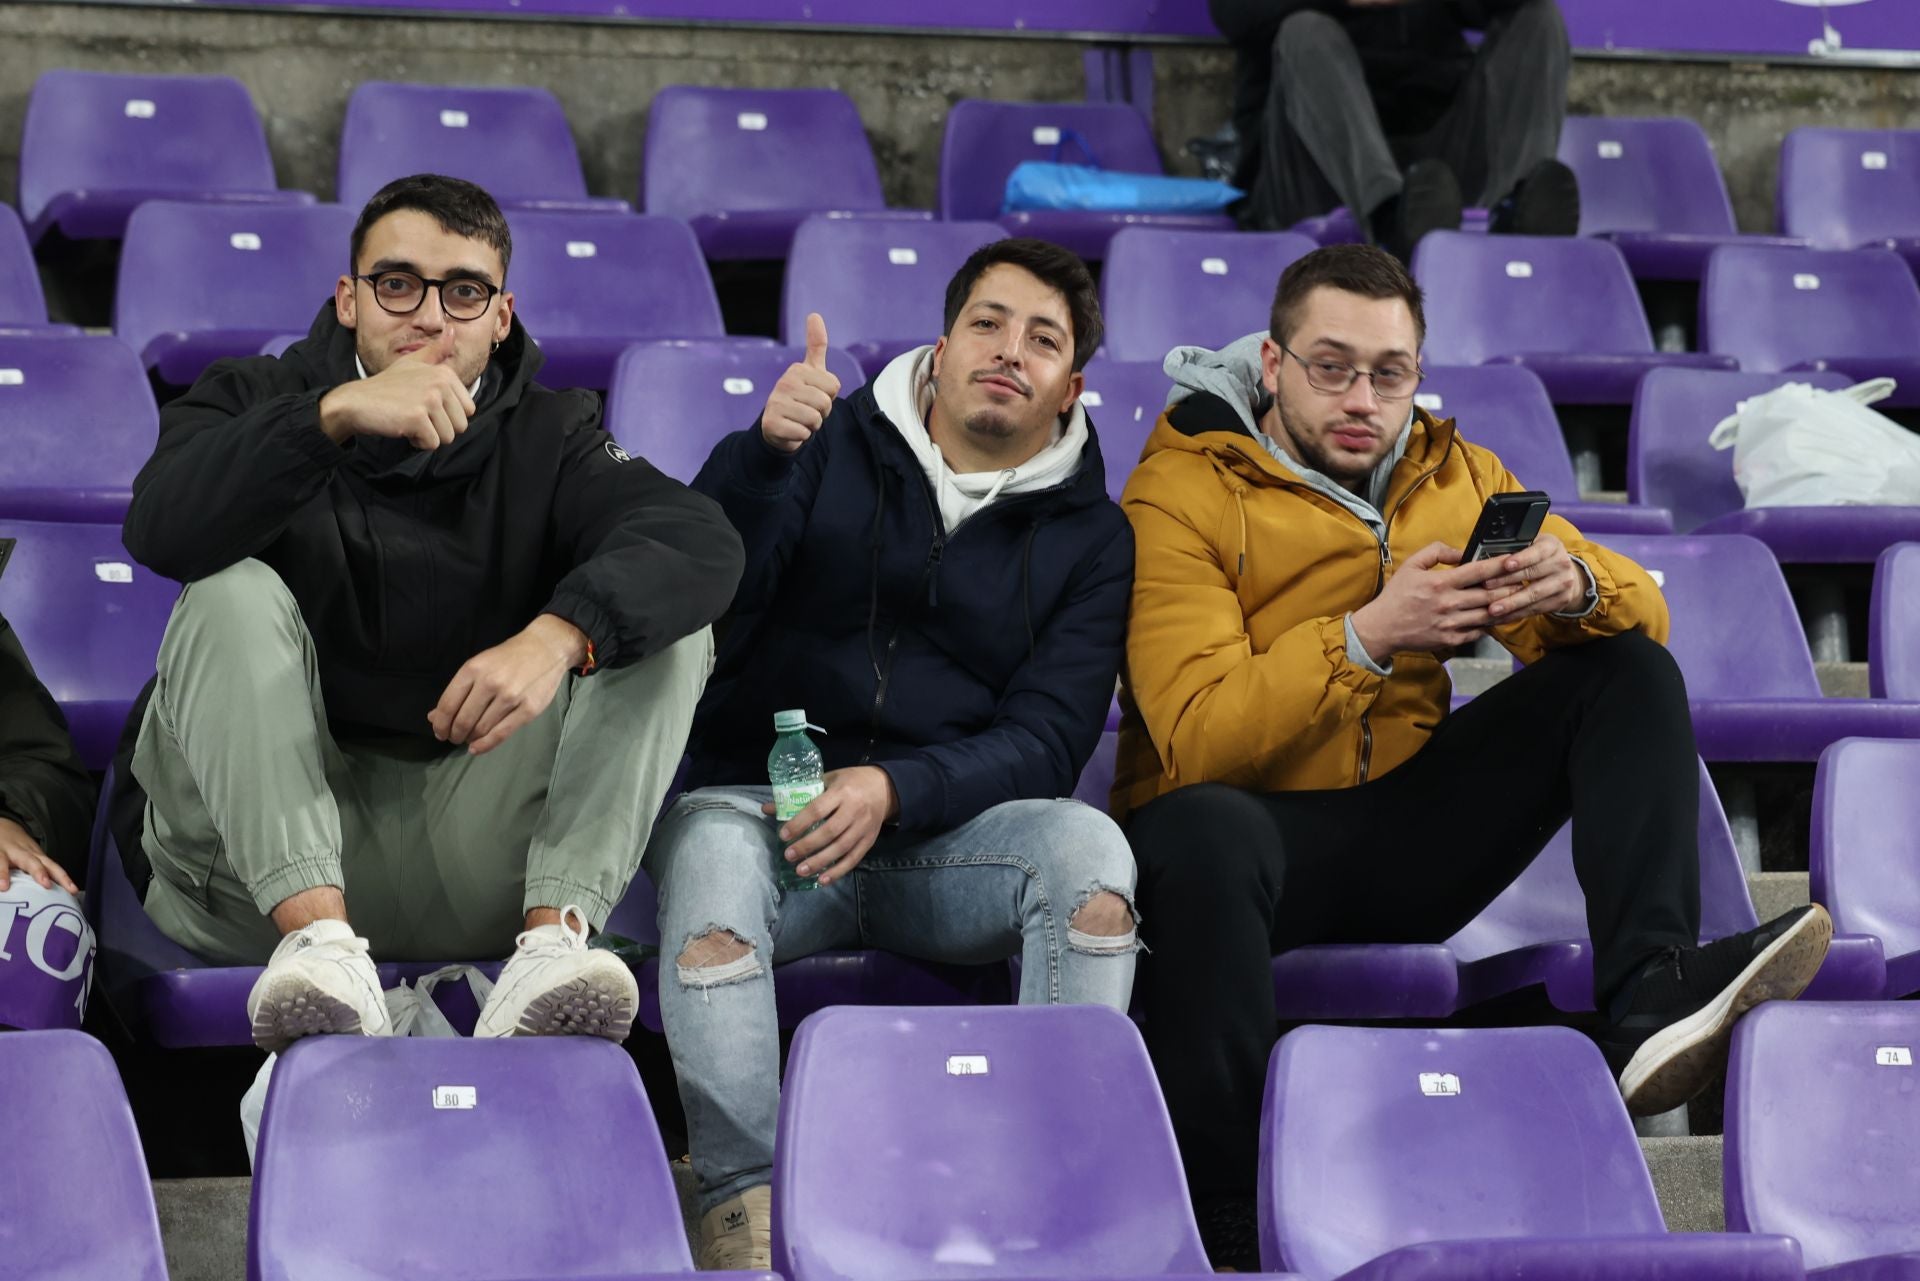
(803, 397)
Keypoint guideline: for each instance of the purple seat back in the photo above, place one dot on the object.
(1822, 1123)
(1845, 187)
(879, 284)
(610, 275)
(1095, 784)
(1124, 399)
(21, 301)
(1545, 903)
(1736, 633)
(100, 137)
(80, 421)
(1862, 850)
(476, 1188)
(908, 1138)
(1378, 1138)
(1648, 174)
(1164, 289)
(74, 1181)
(718, 150)
(1772, 307)
(985, 140)
(90, 620)
(1669, 462)
(1505, 408)
(1893, 624)
(231, 276)
(671, 402)
(511, 139)
(46, 956)
(1501, 295)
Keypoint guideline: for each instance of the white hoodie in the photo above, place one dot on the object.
(904, 392)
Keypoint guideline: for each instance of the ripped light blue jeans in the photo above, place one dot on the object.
(1007, 882)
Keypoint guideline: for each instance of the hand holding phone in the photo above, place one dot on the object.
(1508, 523)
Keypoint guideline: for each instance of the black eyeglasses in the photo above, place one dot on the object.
(400, 293)
(1335, 377)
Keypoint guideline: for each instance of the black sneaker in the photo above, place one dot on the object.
(1673, 1037)
(1229, 1229)
(1429, 200)
(1545, 203)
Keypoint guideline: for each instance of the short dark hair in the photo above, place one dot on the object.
(1055, 267)
(1366, 270)
(457, 205)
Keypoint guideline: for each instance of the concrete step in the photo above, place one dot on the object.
(203, 1225)
(1777, 892)
(1686, 1178)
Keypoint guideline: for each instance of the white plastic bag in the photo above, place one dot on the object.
(1797, 446)
(413, 1014)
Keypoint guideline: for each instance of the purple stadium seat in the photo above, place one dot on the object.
(880, 284)
(1856, 311)
(745, 167)
(90, 619)
(1861, 852)
(278, 344)
(1124, 399)
(587, 284)
(96, 145)
(23, 308)
(74, 1197)
(672, 401)
(1846, 188)
(1739, 642)
(77, 419)
(1652, 187)
(1505, 408)
(1164, 289)
(908, 1139)
(1565, 307)
(199, 282)
(1893, 624)
(441, 1155)
(985, 140)
(511, 139)
(1822, 1123)
(1400, 1154)
(1670, 464)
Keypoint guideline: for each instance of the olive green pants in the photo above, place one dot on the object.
(439, 853)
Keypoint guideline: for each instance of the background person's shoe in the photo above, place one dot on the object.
(737, 1234)
(319, 980)
(1674, 1033)
(1545, 203)
(1429, 200)
(555, 985)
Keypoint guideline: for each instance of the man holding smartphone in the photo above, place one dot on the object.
(1289, 772)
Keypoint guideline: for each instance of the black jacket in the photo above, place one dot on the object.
(974, 669)
(43, 785)
(405, 563)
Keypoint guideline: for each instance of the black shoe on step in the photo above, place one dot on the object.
(1672, 1039)
(1429, 200)
(1230, 1231)
(1545, 203)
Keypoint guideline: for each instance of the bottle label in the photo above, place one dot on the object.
(790, 798)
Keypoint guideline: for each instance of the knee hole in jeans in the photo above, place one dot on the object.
(1103, 922)
(716, 956)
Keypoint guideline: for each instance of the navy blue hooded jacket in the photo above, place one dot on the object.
(975, 668)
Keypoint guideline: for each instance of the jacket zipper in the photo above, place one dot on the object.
(930, 577)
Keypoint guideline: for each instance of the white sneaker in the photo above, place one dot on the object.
(555, 985)
(319, 980)
(737, 1234)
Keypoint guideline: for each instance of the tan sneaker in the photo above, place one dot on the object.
(737, 1234)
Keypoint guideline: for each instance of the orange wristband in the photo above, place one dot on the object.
(586, 668)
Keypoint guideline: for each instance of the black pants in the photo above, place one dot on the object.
(1312, 132)
(1229, 878)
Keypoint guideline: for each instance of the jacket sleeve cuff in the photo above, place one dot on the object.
(1591, 601)
(301, 429)
(761, 465)
(1358, 656)
(33, 826)
(921, 790)
(583, 612)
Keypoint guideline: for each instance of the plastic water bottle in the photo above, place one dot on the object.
(796, 771)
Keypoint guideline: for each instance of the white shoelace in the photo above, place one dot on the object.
(572, 936)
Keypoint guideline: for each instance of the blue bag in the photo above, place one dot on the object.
(1039, 184)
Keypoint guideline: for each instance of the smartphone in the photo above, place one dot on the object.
(1508, 523)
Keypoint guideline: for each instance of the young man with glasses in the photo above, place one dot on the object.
(437, 655)
(1289, 772)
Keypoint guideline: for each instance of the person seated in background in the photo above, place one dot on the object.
(439, 647)
(1289, 771)
(46, 813)
(937, 576)
(1382, 106)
